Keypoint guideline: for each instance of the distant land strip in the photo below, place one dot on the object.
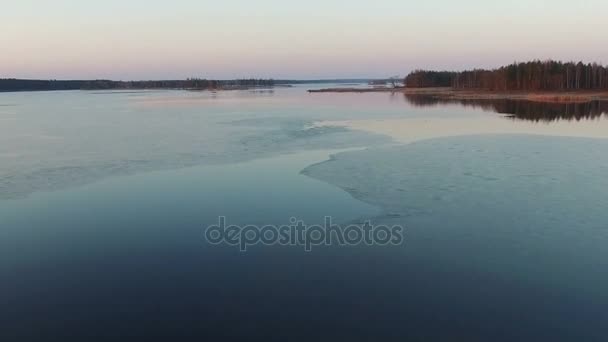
(544, 81)
(536, 75)
(13, 84)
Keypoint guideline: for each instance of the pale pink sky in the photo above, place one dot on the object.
(269, 38)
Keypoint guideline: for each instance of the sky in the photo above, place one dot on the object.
(222, 39)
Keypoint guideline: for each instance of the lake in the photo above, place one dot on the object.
(105, 198)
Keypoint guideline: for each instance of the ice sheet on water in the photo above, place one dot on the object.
(529, 210)
(530, 179)
(70, 143)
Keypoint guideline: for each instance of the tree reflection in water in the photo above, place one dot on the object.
(521, 109)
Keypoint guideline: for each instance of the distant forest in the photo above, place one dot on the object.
(529, 76)
(10, 84)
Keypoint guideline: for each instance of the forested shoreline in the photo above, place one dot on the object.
(529, 76)
(11, 84)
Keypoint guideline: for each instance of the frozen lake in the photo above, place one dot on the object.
(104, 197)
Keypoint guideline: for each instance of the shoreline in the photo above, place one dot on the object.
(581, 96)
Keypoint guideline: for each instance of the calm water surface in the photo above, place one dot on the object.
(104, 197)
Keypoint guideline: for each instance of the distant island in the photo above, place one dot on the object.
(536, 80)
(191, 83)
(530, 76)
(13, 84)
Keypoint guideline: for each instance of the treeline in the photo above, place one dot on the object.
(427, 79)
(11, 84)
(529, 76)
(251, 82)
(191, 83)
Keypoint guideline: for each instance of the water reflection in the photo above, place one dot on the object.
(521, 109)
